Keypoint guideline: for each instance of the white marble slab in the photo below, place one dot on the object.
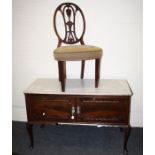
(80, 87)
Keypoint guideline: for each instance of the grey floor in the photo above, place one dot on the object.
(74, 140)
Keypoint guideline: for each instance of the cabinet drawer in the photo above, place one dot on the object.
(106, 110)
(49, 108)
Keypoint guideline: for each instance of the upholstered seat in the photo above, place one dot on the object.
(77, 52)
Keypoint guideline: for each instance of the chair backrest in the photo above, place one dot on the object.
(69, 12)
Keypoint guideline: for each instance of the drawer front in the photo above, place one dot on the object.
(49, 108)
(105, 110)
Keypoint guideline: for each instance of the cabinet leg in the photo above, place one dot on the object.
(121, 129)
(42, 126)
(29, 128)
(126, 137)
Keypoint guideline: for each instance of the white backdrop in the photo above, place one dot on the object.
(114, 25)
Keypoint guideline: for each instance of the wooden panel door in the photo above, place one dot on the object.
(103, 110)
(50, 108)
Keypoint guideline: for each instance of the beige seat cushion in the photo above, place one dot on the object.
(77, 52)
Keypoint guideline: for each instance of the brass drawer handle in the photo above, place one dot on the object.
(43, 114)
(78, 110)
(72, 117)
(72, 112)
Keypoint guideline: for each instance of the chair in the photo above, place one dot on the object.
(72, 52)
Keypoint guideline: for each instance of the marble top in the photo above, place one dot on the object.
(80, 87)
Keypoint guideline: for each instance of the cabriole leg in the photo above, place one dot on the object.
(30, 133)
(42, 126)
(126, 137)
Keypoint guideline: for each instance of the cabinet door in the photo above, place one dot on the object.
(49, 108)
(103, 110)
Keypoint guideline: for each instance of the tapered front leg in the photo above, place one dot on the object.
(62, 75)
(30, 133)
(82, 68)
(65, 74)
(97, 72)
(59, 70)
(126, 137)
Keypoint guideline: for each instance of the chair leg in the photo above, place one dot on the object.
(59, 70)
(62, 74)
(97, 72)
(82, 68)
(65, 76)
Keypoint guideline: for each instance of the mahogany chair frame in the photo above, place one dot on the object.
(66, 10)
